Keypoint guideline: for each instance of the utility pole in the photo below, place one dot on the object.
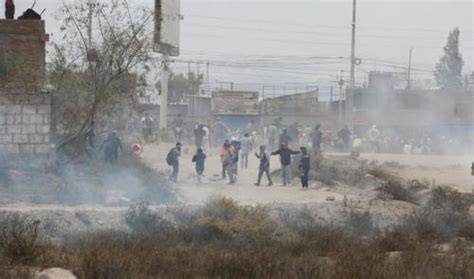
(350, 95)
(198, 89)
(207, 77)
(341, 84)
(164, 92)
(409, 69)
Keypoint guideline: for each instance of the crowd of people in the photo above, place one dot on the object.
(289, 142)
(236, 150)
(286, 141)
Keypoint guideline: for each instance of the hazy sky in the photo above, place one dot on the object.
(306, 43)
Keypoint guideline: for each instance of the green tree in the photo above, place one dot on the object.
(448, 71)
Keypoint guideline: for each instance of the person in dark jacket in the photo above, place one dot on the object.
(285, 138)
(9, 9)
(264, 166)
(173, 160)
(285, 160)
(199, 134)
(316, 138)
(345, 136)
(111, 147)
(199, 159)
(304, 167)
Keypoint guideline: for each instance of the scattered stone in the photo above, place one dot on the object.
(55, 273)
(330, 198)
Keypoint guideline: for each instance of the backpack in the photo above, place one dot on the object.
(170, 158)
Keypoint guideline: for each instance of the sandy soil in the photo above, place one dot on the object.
(191, 192)
(444, 169)
(454, 171)
(329, 203)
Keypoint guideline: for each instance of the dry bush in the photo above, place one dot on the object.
(394, 190)
(19, 239)
(360, 223)
(381, 173)
(221, 208)
(142, 220)
(358, 259)
(313, 234)
(106, 255)
(15, 272)
(418, 185)
(393, 165)
(245, 225)
(444, 197)
(203, 231)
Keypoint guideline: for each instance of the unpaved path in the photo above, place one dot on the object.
(244, 191)
(444, 169)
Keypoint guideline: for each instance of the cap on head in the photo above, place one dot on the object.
(178, 144)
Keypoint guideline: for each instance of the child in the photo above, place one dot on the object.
(199, 159)
(304, 167)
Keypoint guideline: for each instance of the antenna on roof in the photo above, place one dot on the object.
(34, 4)
(43, 11)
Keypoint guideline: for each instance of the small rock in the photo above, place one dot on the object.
(55, 273)
(330, 198)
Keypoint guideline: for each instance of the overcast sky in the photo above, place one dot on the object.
(305, 43)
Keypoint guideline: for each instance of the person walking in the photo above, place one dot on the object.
(264, 166)
(285, 138)
(147, 127)
(345, 136)
(199, 159)
(272, 136)
(173, 160)
(304, 167)
(285, 160)
(111, 147)
(199, 134)
(230, 162)
(222, 154)
(245, 148)
(9, 9)
(316, 138)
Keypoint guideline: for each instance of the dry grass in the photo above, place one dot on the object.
(226, 240)
(394, 190)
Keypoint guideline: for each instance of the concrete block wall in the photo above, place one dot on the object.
(25, 123)
(25, 112)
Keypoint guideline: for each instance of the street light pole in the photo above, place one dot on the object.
(350, 95)
(409, 69)
(341, 84)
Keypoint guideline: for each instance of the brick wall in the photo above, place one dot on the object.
(25, 112)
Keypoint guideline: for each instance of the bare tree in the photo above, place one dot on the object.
(94, 58)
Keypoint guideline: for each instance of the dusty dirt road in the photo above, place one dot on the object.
(445, 170)
(191, 192)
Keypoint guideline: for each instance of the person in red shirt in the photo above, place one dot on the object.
(9, 9)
